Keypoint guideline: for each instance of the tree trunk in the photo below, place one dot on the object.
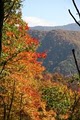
(1, 22)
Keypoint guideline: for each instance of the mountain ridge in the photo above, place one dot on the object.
(59, 44)
(70, 27)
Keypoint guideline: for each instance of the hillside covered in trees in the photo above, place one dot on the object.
(59, 44)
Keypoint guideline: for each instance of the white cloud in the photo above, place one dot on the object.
(35, 21)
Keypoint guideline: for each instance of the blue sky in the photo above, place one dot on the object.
(48, 12)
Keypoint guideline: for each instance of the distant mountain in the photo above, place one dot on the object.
(59, 45)
(38, 34)
(71, 27)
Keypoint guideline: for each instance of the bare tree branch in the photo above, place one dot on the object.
(77, 12)
(73, 17)
(76, 8)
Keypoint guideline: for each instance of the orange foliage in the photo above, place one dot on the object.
(9, 34)
(22, 66)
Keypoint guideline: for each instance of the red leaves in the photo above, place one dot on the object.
(32, 41)
(32, 56)
(43, 55)
(26, 27)
(23, 27)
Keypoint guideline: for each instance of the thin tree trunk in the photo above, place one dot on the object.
(4, 107)
(1, 23)
(12, 99)
(76, 63)
(21, 107)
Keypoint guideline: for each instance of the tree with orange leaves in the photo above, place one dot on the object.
(19, 71)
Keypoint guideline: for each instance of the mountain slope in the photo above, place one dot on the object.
(38, 34)
(59, 45)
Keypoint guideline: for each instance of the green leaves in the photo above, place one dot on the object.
(57, 98)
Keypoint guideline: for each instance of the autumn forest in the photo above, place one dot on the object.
(27, 90)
